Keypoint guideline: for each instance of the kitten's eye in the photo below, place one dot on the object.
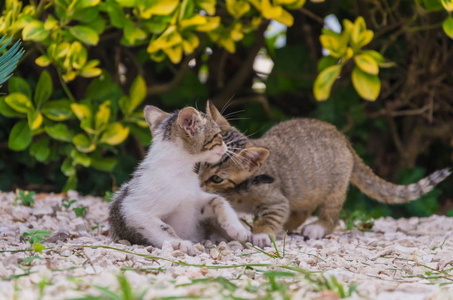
(216, 179)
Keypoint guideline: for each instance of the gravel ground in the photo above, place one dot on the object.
(400, 259)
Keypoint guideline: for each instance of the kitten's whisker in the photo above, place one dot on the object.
(226, 105)
(233, 113)
(234, 119)
(232, 159)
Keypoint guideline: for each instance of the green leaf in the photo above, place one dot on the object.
(85, 34)
(68, 168)
(20, 136)
(366, 63)
(57, 110)
(7, 111)
(116, 14)
(43, 89)
(60, 132)
(114, 134)
(71, 183)
(19, 85)
(326, 61)
(124, 104)
(127, 3)
(324, 81)
(34, 119)
(19, 102)
(137, 93)
(83, 144)
(80, 158)
(367, 86)
(447, 25)
(40, 149)
(35, 31)
(104, 164)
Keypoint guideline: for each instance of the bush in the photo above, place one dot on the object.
(75, 105)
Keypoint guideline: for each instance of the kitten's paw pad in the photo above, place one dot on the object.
(313, 232)
(238, 232)
(184, 246)
(261, 240)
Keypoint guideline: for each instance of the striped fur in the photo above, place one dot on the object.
(311, 164)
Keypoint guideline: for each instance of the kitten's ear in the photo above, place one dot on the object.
(253, 158)
(188, 119)
(154, 116)
(215, 114)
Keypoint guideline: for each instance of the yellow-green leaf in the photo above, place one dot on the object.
(80, 158)
(83, 144)
(269, 11)
(19, 102)
(358, 28)
(447, 4)
(43, 61)
(174, 53)
(85, 34)
(137, 93)
(103, 164)
(157, 7)
(207, 5)
(365, 38)
(367, 86)
(211, 24)
(7, 111)
(375, 55)
(90, 70)
(34, 31)
(447, 25)
(237, 8)
(285, 18)
(324, 81)
(114, 134)
(82, 111)
(34, 119)
(366, 63)
(332, 44)
(57, 110)
(102, 116)
(190, 42)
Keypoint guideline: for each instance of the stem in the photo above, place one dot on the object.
(65, 86)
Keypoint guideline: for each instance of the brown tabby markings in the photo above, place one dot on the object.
(310, 165)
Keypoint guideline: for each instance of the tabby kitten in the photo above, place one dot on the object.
(297, 166)
(163, 200)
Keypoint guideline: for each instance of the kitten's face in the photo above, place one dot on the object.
(190, 129)
(236, 166)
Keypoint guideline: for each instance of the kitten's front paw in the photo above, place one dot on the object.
(238, 232)
(183, 246)
(313, 232)
(261, 240)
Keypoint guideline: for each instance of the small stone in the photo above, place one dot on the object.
(204, 271)
(214, 253)
(178, 254)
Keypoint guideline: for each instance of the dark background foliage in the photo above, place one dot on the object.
(404, 135)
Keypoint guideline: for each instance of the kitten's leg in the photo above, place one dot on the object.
(329, 213)
(271, 217)
(156, 232)
(296, 218)
(219, 208)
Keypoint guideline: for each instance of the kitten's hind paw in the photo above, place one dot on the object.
(313, 232)
(261, 240)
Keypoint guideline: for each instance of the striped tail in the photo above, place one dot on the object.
(387, 192)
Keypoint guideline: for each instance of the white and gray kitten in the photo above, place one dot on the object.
(164, 201)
